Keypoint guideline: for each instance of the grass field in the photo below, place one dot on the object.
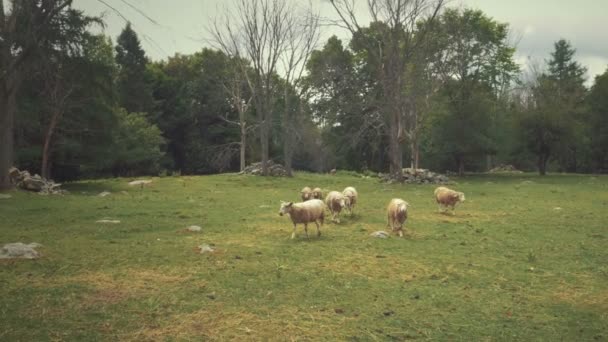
(509, 266)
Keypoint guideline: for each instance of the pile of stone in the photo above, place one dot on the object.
(24, 180)
(505, 168)
(415, 176)
(274, 169)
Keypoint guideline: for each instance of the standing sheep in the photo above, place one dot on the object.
(448, 198)
(317, 193)
(304, 212)
(397, 214)
(335, 201)
(306, 194)
(351, 194)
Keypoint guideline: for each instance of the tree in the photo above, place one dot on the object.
(64, 67)
(302, 37)
(136, 144)
(475, 64)
(552, 109)
(344, 96)
(568, 80)
(135, 93)
(23, 30)
(597, 104)
(389, 43)
(255, 36)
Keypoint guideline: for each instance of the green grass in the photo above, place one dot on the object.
(508, 266)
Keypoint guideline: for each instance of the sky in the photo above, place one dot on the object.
(179, 25)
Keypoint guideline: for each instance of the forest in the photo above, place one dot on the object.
(422, 85)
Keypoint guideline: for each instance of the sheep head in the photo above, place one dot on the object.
(285, 208)
(461, 196)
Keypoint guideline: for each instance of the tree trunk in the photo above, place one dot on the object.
(264, 137)
(460, 166)
(8, 107)
(542, 164)
(415, 153)
(243, 144)
(287, 135)
(395, 155)
(46, 149)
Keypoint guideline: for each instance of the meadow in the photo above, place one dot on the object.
(524, 258)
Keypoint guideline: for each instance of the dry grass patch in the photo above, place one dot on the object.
(270, 324)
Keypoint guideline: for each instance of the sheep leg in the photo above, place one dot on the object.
(293, 235)
(318, 228)
(306, 229)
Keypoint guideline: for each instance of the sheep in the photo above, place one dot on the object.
(397, 214)
(306, 194)
(335, 201)
(448, 198)
(317, 193)
(351, 194)
(304, 212)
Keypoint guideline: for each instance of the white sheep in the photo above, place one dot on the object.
(397, 214)
(352, 195)
(304, 212)
(306, 194)
(317, 193)
(335, 201)
(448, 198)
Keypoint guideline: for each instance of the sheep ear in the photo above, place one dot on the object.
(289, 204)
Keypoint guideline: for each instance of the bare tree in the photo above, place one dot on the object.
(240, 102)
(255, 36)
(393, 47)
(302, 38)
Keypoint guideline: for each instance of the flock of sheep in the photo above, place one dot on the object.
(312, 207)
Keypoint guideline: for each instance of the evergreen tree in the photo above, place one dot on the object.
(134, 90)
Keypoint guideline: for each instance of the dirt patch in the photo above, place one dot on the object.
(372, 267)
(581, 296)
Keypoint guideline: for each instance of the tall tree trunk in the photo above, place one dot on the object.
(46, 149)
(460, 165)
(8, 107)
(265, 135)
(243, 144)
(287, 135)
(542, 164)
(395, 155)
(415, 153)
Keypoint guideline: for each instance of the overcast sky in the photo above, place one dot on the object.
(535, 25)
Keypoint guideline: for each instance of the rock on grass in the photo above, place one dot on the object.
(19, 250)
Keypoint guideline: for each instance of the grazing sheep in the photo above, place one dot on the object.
(351, 194)
(335, 201)
(317, 193)
(306, 194)
(332, 171)
(448, 198)
(397, 214)
(304, 212)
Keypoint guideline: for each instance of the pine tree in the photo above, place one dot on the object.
(134, 92)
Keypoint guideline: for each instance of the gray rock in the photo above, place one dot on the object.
(20, 250)
(23, 180)
(380, 234)
(194, 229)
(108, 221)
(205, 248)
(5, 196)
(140, 182)
(104, 194)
